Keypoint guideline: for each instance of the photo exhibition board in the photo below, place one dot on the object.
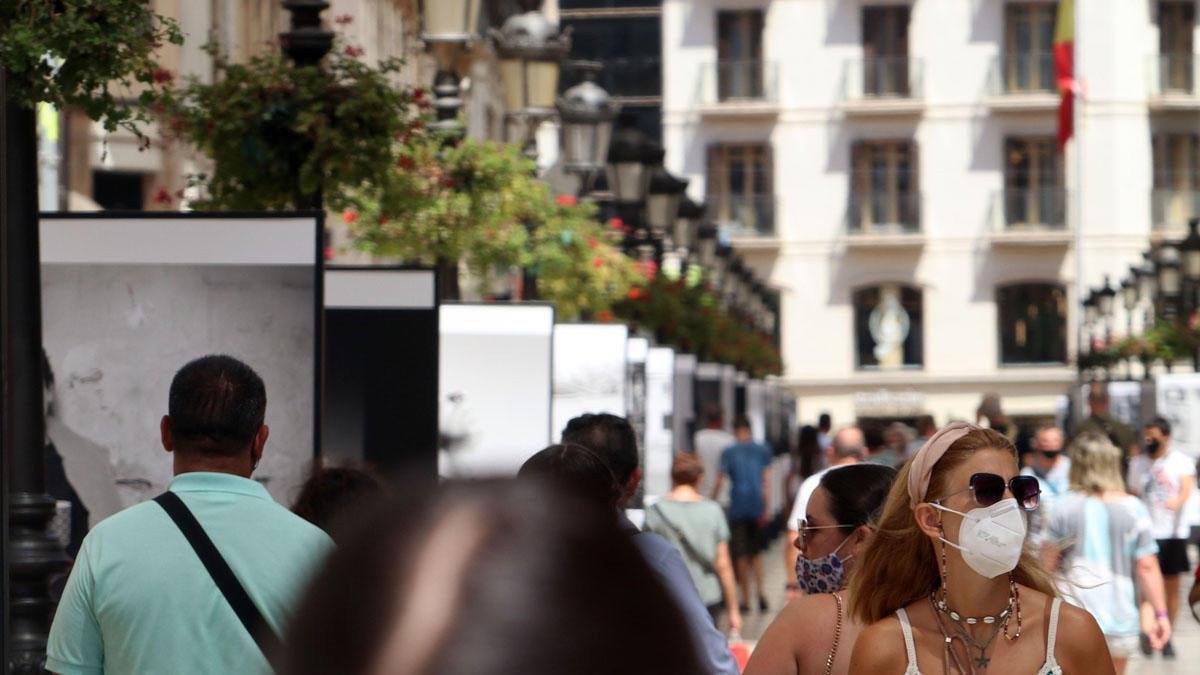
(1177, 398)
(381, 370)
(129, 299)
(636, 351)
(707, 393)
(683, 417)
(729, 395)
(660, 405)
(756, 410)
(494, 387)
(589, 371)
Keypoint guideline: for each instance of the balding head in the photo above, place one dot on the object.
(848, 443)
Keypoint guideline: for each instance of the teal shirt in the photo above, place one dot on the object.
(140, 601)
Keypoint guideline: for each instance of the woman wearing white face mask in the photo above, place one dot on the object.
(814, 632)
(947, 584)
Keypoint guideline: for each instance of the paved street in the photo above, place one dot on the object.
(1187, 640)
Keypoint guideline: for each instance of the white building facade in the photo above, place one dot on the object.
(892, 167)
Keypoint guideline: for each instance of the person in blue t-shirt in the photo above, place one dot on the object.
(747, 466)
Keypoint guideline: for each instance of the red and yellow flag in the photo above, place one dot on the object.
(1064, 69)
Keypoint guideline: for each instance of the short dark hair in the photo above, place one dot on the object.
(216, 405)
(331, 494)
(824, 421)
(1161, 423)
(575, 469)
(609, 436)
(713, 414)
(857, 493)
(741, 422)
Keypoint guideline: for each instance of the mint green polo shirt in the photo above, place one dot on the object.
(140, 601)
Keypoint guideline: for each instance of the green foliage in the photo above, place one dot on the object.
(90, 54)
(688, 316)
(281, 136)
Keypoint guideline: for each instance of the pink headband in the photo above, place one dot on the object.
(929, 454)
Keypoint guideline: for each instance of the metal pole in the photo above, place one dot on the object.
(33, 554)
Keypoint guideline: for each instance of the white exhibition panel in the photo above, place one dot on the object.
(660, 405)
(685, 401)
(637, 349)
(776, 501)
(494, 394)
(379, 289)
(756, 409)
(127, 301)
(1177, 398)
(729, 395)
(589, 371)
(194, 240)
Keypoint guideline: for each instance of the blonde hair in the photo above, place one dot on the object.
(1095, 464)
(900, 565)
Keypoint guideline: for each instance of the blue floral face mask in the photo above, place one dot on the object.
(822, 575)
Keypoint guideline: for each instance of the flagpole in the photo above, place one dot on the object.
(1077, 187)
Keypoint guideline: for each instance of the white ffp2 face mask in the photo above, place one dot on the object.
(990, 539)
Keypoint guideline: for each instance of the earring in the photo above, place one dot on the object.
(942, 567)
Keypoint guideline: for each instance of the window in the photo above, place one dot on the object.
(1033, 183)
(119, 190)
(1176, 24)
(740, 189)
(630, 49)
(1029, 47)
(888, 327)
(1176, 160)
(885, 51)
(1033, 323)
(883, 193)
(739, 55)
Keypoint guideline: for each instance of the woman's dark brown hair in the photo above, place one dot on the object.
(521, 579)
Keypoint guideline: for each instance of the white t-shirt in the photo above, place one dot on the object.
(709, 444)
(1158, 481)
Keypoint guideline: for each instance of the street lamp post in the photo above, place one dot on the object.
(1170, 280)
(1104, 302)
(449, 26)
(663, 195)
(531, 50)
(1189, 250)
(31, 554)
(628, 174)
(587, 115)
(306, 43)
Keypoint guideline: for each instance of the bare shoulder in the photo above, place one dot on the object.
(879, 648)
(802, 627)
(1080, 646)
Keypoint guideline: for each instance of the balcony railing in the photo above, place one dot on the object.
(1171, 209)
(744, 215)
(734, 82)
(1022, 75)
(884, 212)
(1032, 209)
(1173, 75)
(883, 78)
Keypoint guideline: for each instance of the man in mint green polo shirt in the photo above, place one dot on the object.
(138, 599)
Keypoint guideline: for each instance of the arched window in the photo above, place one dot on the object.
(1033, 323)
(888, 327)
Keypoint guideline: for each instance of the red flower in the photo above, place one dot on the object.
(349, 216)
(566, 200)
(617, 224)
(163, 196)
(418, 94)
(383, 219)
(635, 293)
(353, 51)
(343, 19)
(448, 181)
(597, 262)
(604, 315)
(407, 163)
(328, 253)
(161, 75)
(593, 243)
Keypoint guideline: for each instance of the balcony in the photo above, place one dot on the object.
(744, 216)
(1022, 83)
(884, 219)
(741, 88)
(884, 85)
(1030, 217)
(1170, 211)
(1173, 81)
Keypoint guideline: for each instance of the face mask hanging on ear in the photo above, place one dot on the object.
(822, 575)
(991, 539)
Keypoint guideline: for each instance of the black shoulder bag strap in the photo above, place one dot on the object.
(262, 633)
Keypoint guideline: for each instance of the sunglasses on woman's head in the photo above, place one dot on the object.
(988, 488)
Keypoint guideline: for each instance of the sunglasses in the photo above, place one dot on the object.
(988, 488)
(805, 530)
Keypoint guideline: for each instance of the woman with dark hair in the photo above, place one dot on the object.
(697, 527)
(808, 450)
(948, 583)
(813, 633)
(488, 578)
(576, 470)
(331, 496)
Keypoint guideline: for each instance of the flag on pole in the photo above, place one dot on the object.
(1064, 70)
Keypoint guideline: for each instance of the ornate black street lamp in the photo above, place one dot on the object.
(1169, 280)
(706, 246)
(448, 27)
(531, 50)
(628, 177)
(587, 116)
(663, 195)
(1129, 301)
(1189, 252)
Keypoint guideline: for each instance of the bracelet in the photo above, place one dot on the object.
(1161, 614)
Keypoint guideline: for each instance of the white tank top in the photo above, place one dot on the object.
(1050, 667)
